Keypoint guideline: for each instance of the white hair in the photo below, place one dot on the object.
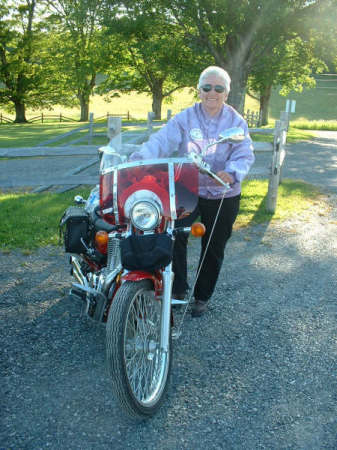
(217, 71)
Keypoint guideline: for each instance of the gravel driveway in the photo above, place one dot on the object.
(258, 371)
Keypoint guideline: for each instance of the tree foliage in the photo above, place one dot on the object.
(79, 53)
(153, 56)
(25, 69)
(239, 34)
(289, 65)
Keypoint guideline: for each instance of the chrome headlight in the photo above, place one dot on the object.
(145, 215)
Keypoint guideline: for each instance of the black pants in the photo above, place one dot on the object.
(208, 276)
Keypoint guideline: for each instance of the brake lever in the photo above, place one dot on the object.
(205, 168)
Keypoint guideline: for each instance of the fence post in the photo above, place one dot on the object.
(150, 117)
(169, 114)
(128, 115)
(275, 170)
(91, 128)
(60, 117)
(41, 117)
(283, 139)
(114, 132)
(285, 119)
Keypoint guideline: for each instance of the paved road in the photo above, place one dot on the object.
(312, 161)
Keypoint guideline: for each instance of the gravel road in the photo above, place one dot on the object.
(258, 371)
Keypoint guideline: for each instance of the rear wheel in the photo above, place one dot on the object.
(138, 367)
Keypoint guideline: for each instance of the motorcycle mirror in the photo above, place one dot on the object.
(234, 135)
(79, 200)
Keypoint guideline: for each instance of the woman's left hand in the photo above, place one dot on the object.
(225, 176)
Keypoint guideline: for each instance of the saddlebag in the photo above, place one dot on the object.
(147, 252)
(74, 225)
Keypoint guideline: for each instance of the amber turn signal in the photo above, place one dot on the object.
(101, 241)
(198, 229)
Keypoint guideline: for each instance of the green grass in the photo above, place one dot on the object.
(327, 125)
(293, 135)
(29, 135)
(30, 221)
(294, 197)
(315, 109)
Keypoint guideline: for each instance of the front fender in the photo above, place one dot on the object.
(139, 275)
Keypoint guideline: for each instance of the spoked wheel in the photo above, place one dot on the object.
(138, 368)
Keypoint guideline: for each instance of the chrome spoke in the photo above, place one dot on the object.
(145, 364)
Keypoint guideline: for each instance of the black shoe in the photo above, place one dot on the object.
(199, 307)
(178, 296)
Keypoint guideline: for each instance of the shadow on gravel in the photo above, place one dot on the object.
(257, 371)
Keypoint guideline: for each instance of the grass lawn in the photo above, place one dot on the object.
(39, 214)
(315, 109)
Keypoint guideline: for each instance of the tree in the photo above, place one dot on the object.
(23, 71)
(238, 34)
(291, 65)
(79, 53)
(153, 57)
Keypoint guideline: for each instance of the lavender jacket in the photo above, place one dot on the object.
(191, 130)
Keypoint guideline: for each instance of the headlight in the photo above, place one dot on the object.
(145, 216)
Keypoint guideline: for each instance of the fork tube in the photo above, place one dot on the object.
(166, 308)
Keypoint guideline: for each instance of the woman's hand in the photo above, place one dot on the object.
(225, 176)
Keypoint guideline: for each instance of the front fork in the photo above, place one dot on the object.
(166, 308)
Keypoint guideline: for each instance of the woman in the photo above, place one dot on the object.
(191, 130)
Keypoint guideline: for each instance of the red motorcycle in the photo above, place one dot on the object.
(121, 246)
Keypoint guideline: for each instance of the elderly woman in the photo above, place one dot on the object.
(191, 130)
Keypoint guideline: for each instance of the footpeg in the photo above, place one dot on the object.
(175, 301)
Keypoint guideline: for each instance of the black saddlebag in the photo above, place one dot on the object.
(147, 252)
(75, 225)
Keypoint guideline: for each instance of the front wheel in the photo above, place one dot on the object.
(138, 367)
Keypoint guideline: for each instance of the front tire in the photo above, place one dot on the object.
(138, 367)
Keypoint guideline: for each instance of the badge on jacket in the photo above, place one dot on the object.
(196, 133)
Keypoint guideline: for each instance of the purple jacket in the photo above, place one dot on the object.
(193, 129)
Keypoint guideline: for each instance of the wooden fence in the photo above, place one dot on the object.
(134, 138)
(276, 149)
(59, 118)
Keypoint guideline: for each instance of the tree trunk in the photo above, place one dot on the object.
(264, 104)
(20, 112)
(157, 99)
(84, 103)
(237, 94)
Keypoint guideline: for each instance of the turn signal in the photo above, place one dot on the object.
(198, 229)
(101, 241)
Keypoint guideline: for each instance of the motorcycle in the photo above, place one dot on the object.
(120, 242)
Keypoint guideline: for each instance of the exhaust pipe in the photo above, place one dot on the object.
(77, 272)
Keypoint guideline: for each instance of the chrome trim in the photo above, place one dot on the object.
(146, 162)
(166, 308)
(87, 289)
(157, 210)
(110, 278)
(172, 191)
(78, 274)
(115, 195)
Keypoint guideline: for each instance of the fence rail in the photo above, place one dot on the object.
(253, 118)
(60, 118)
(135, 138)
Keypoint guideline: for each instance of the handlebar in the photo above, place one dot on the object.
(205, 168)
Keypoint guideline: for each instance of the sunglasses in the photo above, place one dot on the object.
(217, 88)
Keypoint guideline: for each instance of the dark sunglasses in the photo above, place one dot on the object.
(217, 88)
